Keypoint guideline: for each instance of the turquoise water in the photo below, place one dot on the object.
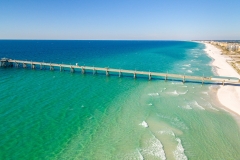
(61, 115)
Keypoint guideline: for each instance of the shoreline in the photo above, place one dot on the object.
(228, 95)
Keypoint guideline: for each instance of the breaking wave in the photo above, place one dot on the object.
(144, 124)
(153, 94)
(179, 152)
(155, 148)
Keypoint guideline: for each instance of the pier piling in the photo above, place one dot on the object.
(51, 68)
(149, 76)
(107, 72)
(33, 66)
(184, 79)
(94, 71)
(83, 70)
(72, 69)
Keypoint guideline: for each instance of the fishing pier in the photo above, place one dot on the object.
(5, 62)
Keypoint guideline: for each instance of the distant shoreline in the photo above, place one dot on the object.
(228, 95)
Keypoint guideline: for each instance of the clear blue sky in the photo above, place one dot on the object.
(120, 19)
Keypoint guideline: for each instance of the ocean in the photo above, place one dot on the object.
(61, 115)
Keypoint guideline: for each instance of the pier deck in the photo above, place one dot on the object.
(72, 68)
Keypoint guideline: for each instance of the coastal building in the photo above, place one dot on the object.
(238, 48)
(232, 47)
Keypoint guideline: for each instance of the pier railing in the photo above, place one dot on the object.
(5, 62)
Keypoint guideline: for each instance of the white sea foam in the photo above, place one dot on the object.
(183, 68)
(134, 155)
(210, 106)
(205, 93)
(183, 92)
(173, 93)
(153, 94)
(167, 132)
(177, 83)
(150, 104)
(155, 148)
(183, 86)
(189, 71)
(82, 106)
(177, 93)
(140, 155)
(187, 65)
(179, 152)
(174, 121)
(144, 124)
(195, 103)
(185, 107)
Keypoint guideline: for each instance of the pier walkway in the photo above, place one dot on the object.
(5, 62)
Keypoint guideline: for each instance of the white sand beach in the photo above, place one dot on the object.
(228, 95)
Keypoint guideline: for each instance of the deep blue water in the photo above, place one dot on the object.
(94, 52)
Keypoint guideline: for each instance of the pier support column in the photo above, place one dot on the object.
(166, 77)
(83, 70)
(60, 68)
(72, 69)
(16, 65)
(223, 82)
(33, 66)
(41, 66)
(24, 65)
(183, 79)
(134, 75)
(120, 73)
(202, 80)
(94, 71)
(107, 73)
(149, 76)
(51, 68)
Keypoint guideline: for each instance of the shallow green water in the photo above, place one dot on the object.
(60, 115)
